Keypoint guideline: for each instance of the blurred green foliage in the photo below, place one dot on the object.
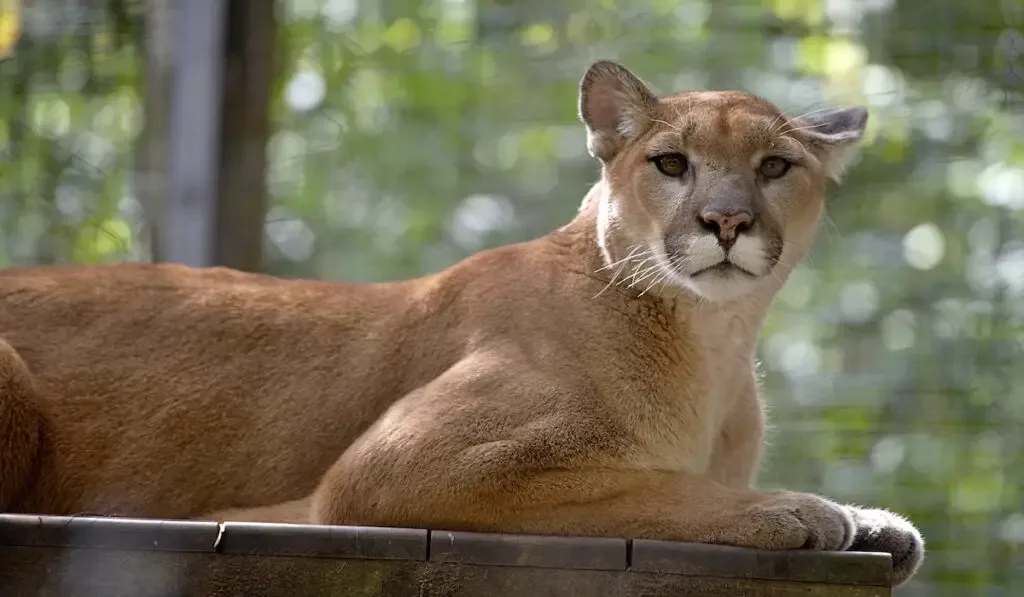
(410, 134)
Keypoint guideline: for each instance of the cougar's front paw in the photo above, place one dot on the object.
(789, 520)
(883, 531)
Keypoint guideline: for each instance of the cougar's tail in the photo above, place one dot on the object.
(21, 427)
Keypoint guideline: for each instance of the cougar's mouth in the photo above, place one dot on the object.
(723, 268)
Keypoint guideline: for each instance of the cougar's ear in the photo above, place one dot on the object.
(833, 136)
(615, 105)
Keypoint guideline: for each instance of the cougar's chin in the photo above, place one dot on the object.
(722, 282)
(707, 269)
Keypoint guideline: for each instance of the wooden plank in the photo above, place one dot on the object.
(108, 533)
(111, 557)
(732, 562)
(577, 553)
(367, 543)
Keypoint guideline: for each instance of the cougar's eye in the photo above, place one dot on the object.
(670, 164)
(774, 167)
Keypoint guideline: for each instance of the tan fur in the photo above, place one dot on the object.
(532, 388)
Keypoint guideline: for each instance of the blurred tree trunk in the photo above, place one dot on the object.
(245, 128)
(203, 159)
(154, 142)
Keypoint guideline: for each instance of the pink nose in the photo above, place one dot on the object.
(727, 226)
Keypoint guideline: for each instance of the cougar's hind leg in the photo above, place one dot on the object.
(21, 428)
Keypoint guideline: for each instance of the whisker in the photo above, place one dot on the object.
(653, 270)
(649, 268)
(803, 128)
(673, 266)
(669, 125)
(608, 285)
(830, 221)
(632, 276)
(789, 267)
(641, 280)
(656, 280)
(678, 113)
(817, 111)
(641, 269)
(771, 125)
(623, 263)
(792, 122)
(776, 275)
(624, 259)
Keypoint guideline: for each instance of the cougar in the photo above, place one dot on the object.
(597, 381)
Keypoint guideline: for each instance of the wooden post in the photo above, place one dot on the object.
(208, 208)
(245, 129)
(187, 231)
(154, 146)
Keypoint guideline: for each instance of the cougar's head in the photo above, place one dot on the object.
(711, 191)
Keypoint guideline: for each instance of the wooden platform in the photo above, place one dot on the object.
(112, 557)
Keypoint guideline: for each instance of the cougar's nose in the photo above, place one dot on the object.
(726, 226)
